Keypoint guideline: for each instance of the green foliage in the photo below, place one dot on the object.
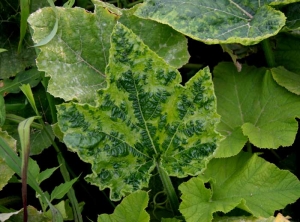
(103, 82)
(245, 181)
(135, 127)
(246, 22)
(127, 211)
(253, 107)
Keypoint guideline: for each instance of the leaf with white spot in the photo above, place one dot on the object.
(213, 22)
(76, 57)
(144, 119)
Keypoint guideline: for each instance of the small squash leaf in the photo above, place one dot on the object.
(253, 107)
(245, 181)
(132, 208)
(143, 119)
(214, 22)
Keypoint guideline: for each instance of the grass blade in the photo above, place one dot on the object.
(25, 11)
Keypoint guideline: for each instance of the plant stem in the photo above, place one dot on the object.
(269, 55)
(61, 160)
(169, 188)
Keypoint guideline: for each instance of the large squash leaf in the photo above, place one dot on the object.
(245, 181)
(145, 118)
(132, 208)
(219, 21)
(253, 107)
(76, 57)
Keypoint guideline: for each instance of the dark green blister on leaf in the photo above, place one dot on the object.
(142, 119)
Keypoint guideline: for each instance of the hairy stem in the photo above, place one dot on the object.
(169, 188)
(269, 55)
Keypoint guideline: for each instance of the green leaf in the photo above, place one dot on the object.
(61, 190)
(245, 181)
(213, 22)
(162, 39)
(34, 215)
(292, 12)
(40, 139)
(6, 171)
(76, 57)
(287, 79)
(46, 174)
(253, 107)
(170, 220)
(31, 77)
(3, 50)
(143, 119)
(132, 208)
(287, 52)
(2, 111)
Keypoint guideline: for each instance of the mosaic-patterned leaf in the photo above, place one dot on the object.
(219, 21)
(245, 181)
(76, 57)
(162, 39)
(145, 118)
(253, 107)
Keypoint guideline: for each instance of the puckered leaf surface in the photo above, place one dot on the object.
(76, 57)
(132, 208)
(253, 107)
(245, 181)
(218, 21)
(144, 118)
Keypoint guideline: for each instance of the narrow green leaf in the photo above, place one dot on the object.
(69, 4)
(62, 189)
(26, 89)
(31, 77)
(46, 174)
(53, 32)
(24, 134)
(132, 208)
(2, 50)
(143, 119)
(6, 171)
(2, 111)
(253, 102)
(245, 181)
(25, 10)
(14, 162)
(213, 22)
(49, 37)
